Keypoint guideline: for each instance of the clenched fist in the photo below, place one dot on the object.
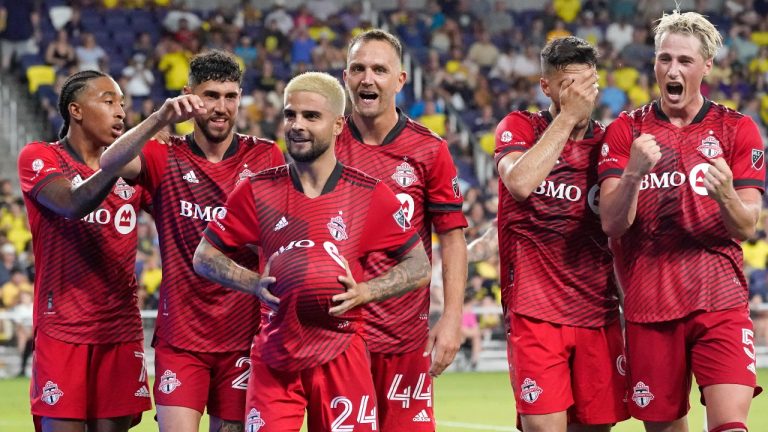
(643, 155)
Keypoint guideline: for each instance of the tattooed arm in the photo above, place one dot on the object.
(212, 264)
(412, 271)
(484, 247)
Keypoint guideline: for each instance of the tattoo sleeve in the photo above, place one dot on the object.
(485, 247)
(212, 264)
(227, 426)
(411, 272)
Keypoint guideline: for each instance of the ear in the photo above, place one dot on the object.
(188, 90)
(544, 84)
(708, 66)
(401, 80)
(75, 111)
(338, 125)
(344, 75)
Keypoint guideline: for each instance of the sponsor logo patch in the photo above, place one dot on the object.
(422, 417)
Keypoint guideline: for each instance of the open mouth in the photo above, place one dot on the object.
(675, 89)
(118, 128)
(298, 139)
(368, 96)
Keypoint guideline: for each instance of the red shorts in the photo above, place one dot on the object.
(403, 391)
(198, 379)
(555, 368)
(717, 347)
(337, 395)
(88, 381)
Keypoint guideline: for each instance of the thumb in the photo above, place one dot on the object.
(430, 345)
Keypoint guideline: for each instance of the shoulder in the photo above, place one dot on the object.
(40, 147)
(414, 127)
(725, 113)
(274, 173)
(358, 178)
(253, 141)
(638, 114)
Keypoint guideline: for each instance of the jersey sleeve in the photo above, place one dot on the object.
(387, 228)
(748, 163)
(278, 159)
(444, 198)
(154, 159)
(513, 134)
(614, 153)
(237, 225)
(38, 165)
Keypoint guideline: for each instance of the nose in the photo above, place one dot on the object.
(674, 69)
(367, 77)
(120, 112)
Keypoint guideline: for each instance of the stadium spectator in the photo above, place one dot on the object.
(90, 56)
(87, 323)
(377, 137)
(60, 53)
(537, 152)
(498, 22)
(19, 20)
(139, 78)
(685, 291)
(588, 29)
(197, 344)
(619, 33)
(638, 53)
(279, 18)
(22, 323)
(483, 52)
(567, 10)
(174, 66)
(8, 262)
(613, 96)
(307, 355)
(11, 290)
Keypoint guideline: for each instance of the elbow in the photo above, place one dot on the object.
(518, 192)
(198, 261)
(613, 229)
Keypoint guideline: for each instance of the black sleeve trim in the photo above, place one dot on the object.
(444, 207)
(44, 182)
(747, 183)
(402, 250)
(216, 241)
(507, 150)
(613, 172)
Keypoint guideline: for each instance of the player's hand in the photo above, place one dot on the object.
(643, 155)
(163, 136)
(577, 97)
(181, 108)
(356, 294)
(265, 282)
(719, 181)
(443, 344)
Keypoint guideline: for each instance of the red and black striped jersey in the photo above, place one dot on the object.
(354, 216)
(677, 257)
(188, 191)
(85, 287)
(555, 261)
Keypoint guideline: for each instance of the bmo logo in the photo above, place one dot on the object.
(124, 219)
(662, 180)
(696, 179)
(558, 190)
(195, 211)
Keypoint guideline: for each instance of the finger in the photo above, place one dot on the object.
(186, 105)
(346, 281)
(343, 296)
(439, 362)
(269, 297)
(430, 344)
(176, 107)
(721, 165)
(342, 308)
(269, 264)
(346, 266)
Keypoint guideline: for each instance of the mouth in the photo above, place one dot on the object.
(298, 139)
(367, 96)
(219, 121)
(117, 129)
(674, 89)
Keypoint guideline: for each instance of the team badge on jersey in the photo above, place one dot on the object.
(244, 174)
(710, 147)
(123, 189)
(254, 422)
(506, 136)
(168, 382)
(604, 150)
(642, 395)
(338, 228)
(758, 159)
(530, 391)
(402, 219)
(51, 393)
(37, 165)
(455, 185)
(404, 175)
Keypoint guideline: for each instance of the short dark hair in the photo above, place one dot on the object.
(214, 65)
(72, 87)
(377, 35)
(562, 52)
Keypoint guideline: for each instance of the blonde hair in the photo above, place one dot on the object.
(319, 83)
(690, 23)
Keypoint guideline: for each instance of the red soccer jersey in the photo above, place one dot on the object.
(85, 288)
(354, 216)
(416, 164)
(555, 261)
(187, 192)
(677, 256)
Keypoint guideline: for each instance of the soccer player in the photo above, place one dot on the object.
(561, 304)
(318, 220)
(682, 179)
(203, 330)
(88, 366)
(379, 139)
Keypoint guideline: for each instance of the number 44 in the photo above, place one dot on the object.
(419, 393)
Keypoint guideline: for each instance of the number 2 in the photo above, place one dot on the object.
(241, 382)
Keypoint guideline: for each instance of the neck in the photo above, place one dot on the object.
(373, 130)
(685, 115)
(214, 151)
(314, 175)
(84, 146)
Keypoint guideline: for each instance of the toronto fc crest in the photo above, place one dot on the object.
(642, 395)
(254, 422)
(168, 382)
(123, 190)
(337, 228)
(244, 174)
(51, 393)
(530, 392)
(710, 147)
(404, 175)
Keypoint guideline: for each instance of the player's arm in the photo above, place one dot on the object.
(618, 196)
(121, 158)
(411, 271)
(521, 172)
(740, 209)
(75, 201)
(485, 246)
(210, 263)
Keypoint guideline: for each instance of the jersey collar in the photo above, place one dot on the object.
(68, 148)
(330, 184)
(402, 120)
(699, 116)
(590, 127)
(231, 150)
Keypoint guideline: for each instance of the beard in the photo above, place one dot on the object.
(213, 137)
(317, 149)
